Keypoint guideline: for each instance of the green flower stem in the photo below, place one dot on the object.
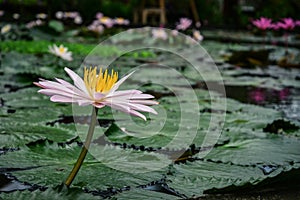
(84, 149)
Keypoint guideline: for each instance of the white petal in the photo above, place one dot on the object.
(142, 108)
(71, 87)
(98, 95)
(123, 93)
(77, 80)
(142, 96)
(84, 102)
(135, 113)
(118, 106)
(117, 84)
(144, 102)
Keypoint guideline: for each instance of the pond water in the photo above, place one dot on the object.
(9, 184)
(285, 100)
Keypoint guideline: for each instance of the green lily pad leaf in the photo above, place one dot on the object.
(193, 178)
(56, 25)
(49, 194)
(137, 193)
(14, 134)
(271, 150)
(32, 116)
(53, 163)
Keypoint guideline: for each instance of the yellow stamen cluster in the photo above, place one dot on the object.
(62, 50)
(103, 19)
(101, 82)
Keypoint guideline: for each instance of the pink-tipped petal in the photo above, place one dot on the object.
(58, 98)
(50, 85)
(71, 87)
(38, 84)
(51, 92)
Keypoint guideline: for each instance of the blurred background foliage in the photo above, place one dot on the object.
(213, 13)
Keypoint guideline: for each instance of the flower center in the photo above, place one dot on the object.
(61, 50)
(104, 19)
(101, 82)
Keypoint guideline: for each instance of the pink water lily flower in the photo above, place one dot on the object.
(262, 23)
(287, 24)
(108, 22)
(5, 29)
(98, 28)
(121, 21)
(1, 13)
(41, 16)
(98, 89)
(159, 34)
(197, 35)
(184, 23)
(61, 51)
(59, 14)
(275, 26)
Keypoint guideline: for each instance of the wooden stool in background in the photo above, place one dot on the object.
(161, 11)
(146, 11)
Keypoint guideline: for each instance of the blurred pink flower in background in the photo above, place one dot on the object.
(262, 23)
(59, 14)
(257, 95)
(184, 23)
(95, 27)
(97, 24)
(198, 24)
(16, 16)
(71, 15)
(159, 33)
(121, 21)
(108, 22)
(197, 35)
(174, 32)
(99, 15)
(41, 16)
(1, 13)
(284, 93)
(275, 26)
(34, 23)
(287, 24)
(78, 20)
(5, 29)
(297, 23)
